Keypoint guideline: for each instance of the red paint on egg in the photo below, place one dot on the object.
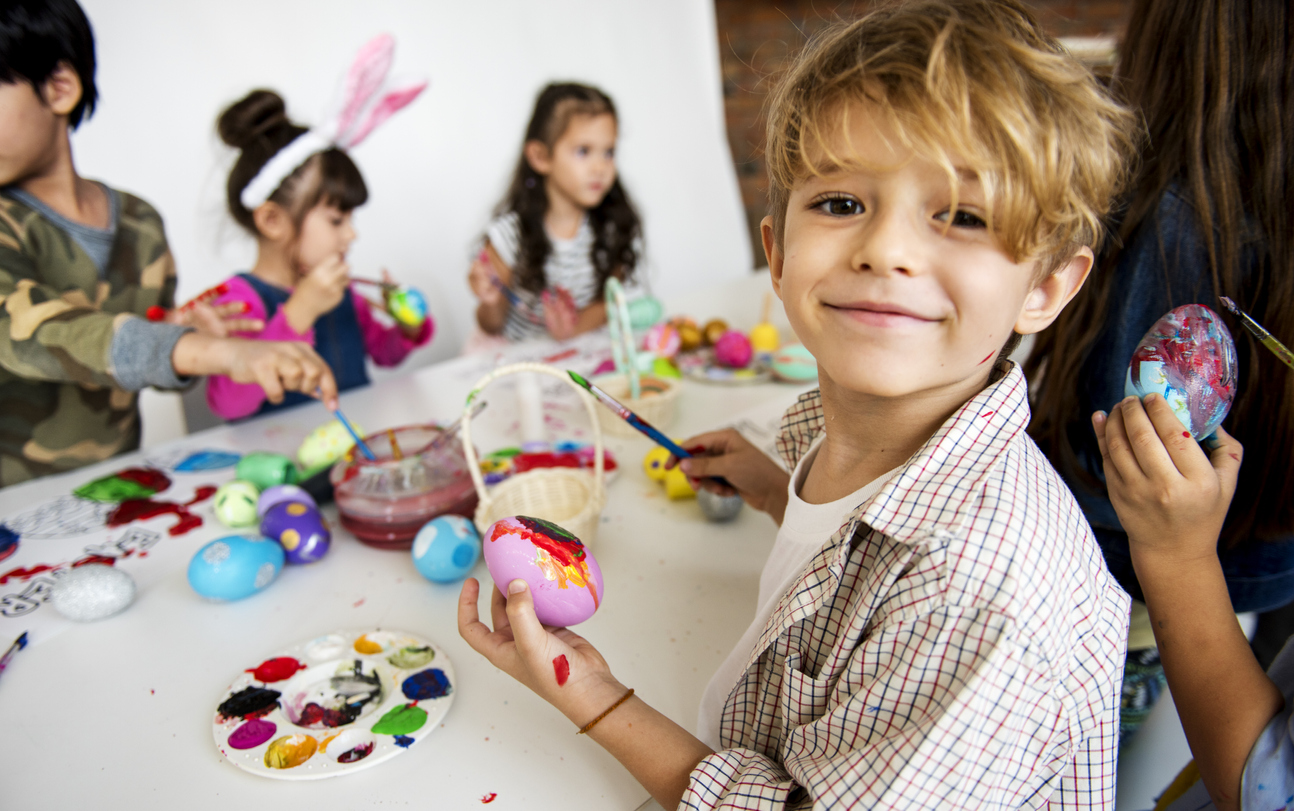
(562, 669)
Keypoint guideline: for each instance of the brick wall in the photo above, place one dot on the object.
(757, 36)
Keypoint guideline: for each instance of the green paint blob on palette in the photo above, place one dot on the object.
(333, 704)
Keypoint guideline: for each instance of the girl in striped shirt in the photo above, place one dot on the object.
(565, 226)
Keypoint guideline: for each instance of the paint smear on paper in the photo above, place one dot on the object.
(141, 509)
(249, 702)
(207, 460)
(131, 483)
(410, 657)
(427, 684)
(489, 798)
(8, 542)
(252, 734)
(278, 669)
(290, 751)
(401, 720)
(562, 669)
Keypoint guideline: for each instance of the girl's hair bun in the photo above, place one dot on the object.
(256, 115)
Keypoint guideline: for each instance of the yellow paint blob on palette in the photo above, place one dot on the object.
(334, 704)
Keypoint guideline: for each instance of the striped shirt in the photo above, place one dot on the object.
(957, 643)
(569, 265)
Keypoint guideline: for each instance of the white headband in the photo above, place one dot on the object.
(368, 99)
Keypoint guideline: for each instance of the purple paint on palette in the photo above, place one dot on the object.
(358, 753)
(1188, 356)
(252, 734)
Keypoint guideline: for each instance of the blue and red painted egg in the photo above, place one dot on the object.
(1188, 356)
(300, 530)
(565, 581)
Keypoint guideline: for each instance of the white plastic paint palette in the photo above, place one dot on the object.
(334, 705)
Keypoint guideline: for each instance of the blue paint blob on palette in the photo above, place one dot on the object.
(207, 460)
(403, 741)
(8, 541)
(430, 683)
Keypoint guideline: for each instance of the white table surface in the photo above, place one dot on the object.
(118, 713)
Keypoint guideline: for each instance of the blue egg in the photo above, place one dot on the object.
(446, 548)
(234, 567)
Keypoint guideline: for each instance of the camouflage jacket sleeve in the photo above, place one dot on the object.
(58, 317)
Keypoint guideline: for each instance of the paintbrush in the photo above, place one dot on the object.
(1264, 337)
(636, 421)
(359, 441)
(18, 644)
(450, 431)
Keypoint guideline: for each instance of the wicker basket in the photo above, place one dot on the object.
(657, 409)
(570, 498)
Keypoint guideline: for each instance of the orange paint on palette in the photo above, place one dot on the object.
(290, 751)
(366, 645)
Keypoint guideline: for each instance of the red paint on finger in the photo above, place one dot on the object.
(562, 669)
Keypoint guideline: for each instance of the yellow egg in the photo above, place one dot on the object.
(654, 463)
(765, 338)
(712, 330)
(677, 485)
(689, 337)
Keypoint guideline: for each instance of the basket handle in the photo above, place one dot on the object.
(469, 450)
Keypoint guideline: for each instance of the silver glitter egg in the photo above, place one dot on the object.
(718, 508)
(92, 592)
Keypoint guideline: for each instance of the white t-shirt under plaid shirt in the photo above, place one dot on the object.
(958, 643)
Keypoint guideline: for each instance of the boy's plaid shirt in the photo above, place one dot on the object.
(958, 643)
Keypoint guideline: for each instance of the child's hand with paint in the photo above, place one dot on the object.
(726, 454)
(1170, 497)
(556, 663)
(560, 313)
(484, 281)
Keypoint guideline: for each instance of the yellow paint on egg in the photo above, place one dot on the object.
(654, 463)
(677, 486)
(290, 538)
(296, 508)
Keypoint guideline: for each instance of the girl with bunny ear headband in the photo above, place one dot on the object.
(294, 190)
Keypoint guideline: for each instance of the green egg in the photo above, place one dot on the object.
(266, 469)
(235, 504)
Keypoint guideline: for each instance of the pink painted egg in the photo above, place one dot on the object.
(733, 350)
(564, 579)
(663, 341)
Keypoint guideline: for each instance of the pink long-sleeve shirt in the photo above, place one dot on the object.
(386, 345)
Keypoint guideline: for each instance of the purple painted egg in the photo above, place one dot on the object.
(733, 350)
(1188, 357)
(564, 579)
(280, 493)
(300, 529)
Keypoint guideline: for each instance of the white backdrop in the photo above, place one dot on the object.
(436, 170)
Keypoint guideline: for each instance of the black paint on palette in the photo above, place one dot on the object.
(249, 702)
(425, 684)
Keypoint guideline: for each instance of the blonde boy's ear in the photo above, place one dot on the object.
(772, 253)
(62, 90)
(537, 155)
(1045, 301)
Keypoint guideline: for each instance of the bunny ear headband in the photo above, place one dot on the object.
(368, 99)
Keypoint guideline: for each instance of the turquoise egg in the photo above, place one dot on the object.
(234, 567)
(446, 548)
(408, 307)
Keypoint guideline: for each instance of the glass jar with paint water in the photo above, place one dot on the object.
(414, 478)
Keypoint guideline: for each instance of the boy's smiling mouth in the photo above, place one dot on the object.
(879, 314)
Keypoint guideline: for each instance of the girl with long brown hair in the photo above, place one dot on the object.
(1208, 216)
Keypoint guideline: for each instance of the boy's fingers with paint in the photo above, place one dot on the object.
(220, 320)
(1170, 497)
(556, 663)
(728, 455)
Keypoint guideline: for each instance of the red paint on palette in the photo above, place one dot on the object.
(277, 669)
(489, 798)
(562, 669)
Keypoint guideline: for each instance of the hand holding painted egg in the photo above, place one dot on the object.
(564, 579)
(1188, 357)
